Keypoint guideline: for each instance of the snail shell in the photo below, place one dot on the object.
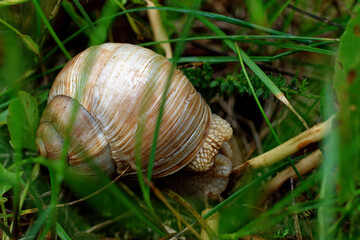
(103, 97)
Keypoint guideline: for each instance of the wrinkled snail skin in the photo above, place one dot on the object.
(105, 94)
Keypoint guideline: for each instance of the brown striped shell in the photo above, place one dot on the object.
(111, 94)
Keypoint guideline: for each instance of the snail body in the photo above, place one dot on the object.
(104, 96)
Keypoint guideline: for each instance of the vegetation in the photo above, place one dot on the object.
(271, 68)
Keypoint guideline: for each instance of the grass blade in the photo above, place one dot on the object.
(130, 20)
(6, 230)
(255, 97)
(144, 187)
(85, 15)
(277, 212)
(257, 71)
(50, 29)
(28, 41)
(257, 12)
(5, 3)
(78, 20)
(101, 31)
(40, 222)
(129, 203)
(174, 196)
(278, 13)
(214, 16)
(61, 232)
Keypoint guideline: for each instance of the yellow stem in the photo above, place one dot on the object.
(312, 135)
(158, 29)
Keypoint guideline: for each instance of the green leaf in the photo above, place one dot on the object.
(6, 178)
(347, 85)
(23, 121)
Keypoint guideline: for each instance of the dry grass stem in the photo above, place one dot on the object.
(304, 166)
(312, 135)
(158, 29)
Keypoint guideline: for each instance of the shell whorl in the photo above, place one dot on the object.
(120, 85)
(64, 118)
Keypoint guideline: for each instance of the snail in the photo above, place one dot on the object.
(113, 88)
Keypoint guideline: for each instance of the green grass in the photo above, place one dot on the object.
(271, 68)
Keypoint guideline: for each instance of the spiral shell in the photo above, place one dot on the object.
(111, 94)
